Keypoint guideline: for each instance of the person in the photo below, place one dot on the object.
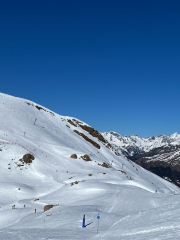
(24, 206)
(35, 210)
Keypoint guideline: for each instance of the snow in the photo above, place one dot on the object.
(124, 195)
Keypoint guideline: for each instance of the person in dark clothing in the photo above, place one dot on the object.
(35, 210)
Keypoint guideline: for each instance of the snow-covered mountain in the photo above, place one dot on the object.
(64, 169)
(163, 161)
(160, 155)
(131, 145)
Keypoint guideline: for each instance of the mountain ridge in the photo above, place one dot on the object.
(133, 144)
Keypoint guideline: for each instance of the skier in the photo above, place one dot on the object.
(35, 210)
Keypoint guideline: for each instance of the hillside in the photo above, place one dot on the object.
(47, 159)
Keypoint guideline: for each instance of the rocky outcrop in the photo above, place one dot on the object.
(73, 156)
(27, 158)
(163, 161)
(47, 207)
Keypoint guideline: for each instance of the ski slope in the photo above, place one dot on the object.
(132, 202)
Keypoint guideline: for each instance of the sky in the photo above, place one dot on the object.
(112, 64)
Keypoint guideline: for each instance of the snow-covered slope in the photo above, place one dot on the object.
(48, 159)
(131, 145)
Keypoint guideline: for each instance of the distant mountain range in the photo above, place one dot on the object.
(160, 155)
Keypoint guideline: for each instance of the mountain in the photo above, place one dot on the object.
(160, 155)
(64, 168)
(163, 161)
(131, 145)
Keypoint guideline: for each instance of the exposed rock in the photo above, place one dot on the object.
(73, 156)
(27, 158)
(122, 171)
(86, 158)
(106, 165)
(39, 108)
(76, 182)
(87, 139)
(93, 133)
(71, 122)
(47, 207)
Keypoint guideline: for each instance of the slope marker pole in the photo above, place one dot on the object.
(98, 217)
(83, 223)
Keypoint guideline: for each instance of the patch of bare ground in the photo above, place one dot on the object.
(122, 171)
(86, 158)
(89, 174)
(88, 139)
(106, 165)
(71, 122)
(73, 156)
(36, 199)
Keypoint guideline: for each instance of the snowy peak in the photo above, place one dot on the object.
(131, 145)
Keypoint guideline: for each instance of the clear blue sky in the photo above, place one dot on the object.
(114, 64)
